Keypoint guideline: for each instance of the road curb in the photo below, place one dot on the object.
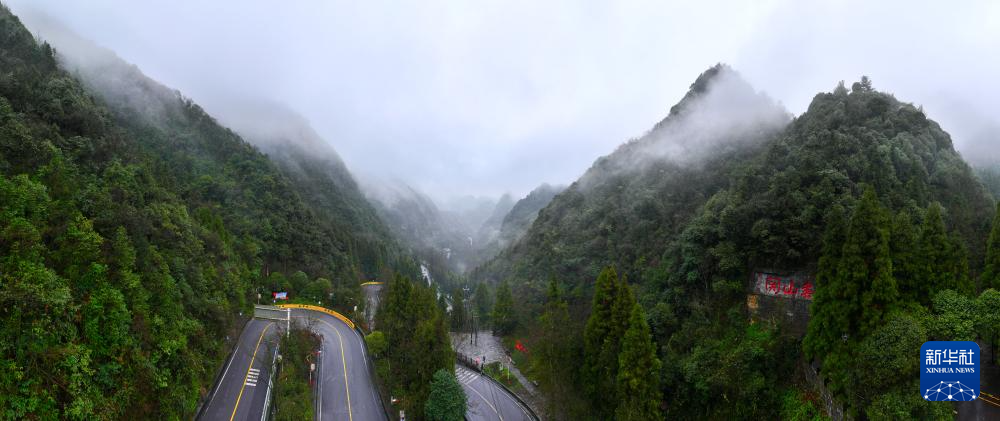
(218, 375)
(465, 361)
(371, 372)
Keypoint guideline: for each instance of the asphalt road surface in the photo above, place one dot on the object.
(345, 388)
(243, 388)
(487, 400)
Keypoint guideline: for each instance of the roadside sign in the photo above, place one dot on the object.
(280, 295)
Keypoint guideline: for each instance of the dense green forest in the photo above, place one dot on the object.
(130, 241)
(687, 235)
(136, 231)
(411, 343)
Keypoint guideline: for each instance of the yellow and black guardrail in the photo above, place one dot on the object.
(988, 398)
(320, 309)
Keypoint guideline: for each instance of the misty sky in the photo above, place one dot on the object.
(486, 97)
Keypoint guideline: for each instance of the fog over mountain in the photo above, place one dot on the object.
(484, 99)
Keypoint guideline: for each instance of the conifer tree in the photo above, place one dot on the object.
(458, 310)
(638, 372)
(554, 351)
(826, 322)
(621, 318)
(991, 270)
(484, 303)
(417, 333)
(939, 265)
(856, 288)
(503, 310)
(601, 336)
(960, 263)
(866, 266)
(902, 247)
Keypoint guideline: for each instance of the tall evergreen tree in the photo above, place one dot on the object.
(826, 324)
(991, 270)
(484, 303)
(638, 372)
(503, 310)
(458, 310)
(867, 267)
(554, 352)
(939, 260)
(960, 264)
(853, 296)
(902, 247)
(602, 339)
(417, 333)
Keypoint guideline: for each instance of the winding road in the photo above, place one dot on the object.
(345, 388)
(487, 400)
(242, 391)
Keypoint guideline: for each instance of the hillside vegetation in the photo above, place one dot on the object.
(727, 184)
(131, 237)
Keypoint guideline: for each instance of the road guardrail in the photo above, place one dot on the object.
(321, 310)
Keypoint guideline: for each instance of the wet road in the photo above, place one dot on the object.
(345, 388)
(243, 390)
(487, 400)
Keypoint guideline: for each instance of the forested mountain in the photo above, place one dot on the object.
(490, 228)
(990, 176)
(511, 221)
(314, 169)
(727, 184)
(322, 180)
(134, 227)
(628, 202)
(525, 211)
(443, 244)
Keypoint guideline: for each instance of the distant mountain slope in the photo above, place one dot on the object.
(510, 221)
(628, 202)
(631, 206)
(320, 177)
(990, 176)
(435, 237)
(726, 184)
(313, 169)
(133, 230)
(491, 227)
(525, 211)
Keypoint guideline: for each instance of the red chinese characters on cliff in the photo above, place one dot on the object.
(787, 286)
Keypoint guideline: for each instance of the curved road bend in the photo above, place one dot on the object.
(487, 400)
(242, 390)
(346, 391)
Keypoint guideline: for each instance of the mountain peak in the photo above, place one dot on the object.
(701, 84)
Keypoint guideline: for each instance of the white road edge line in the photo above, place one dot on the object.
(226, 371)
(319, 380)
(487, 402)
